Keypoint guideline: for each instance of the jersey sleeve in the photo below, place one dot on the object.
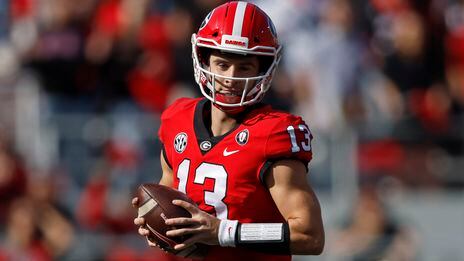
(162, 131)
(167, 119)
(290, 138)
(163, 139)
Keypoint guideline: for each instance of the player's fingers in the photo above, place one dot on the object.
(153, 244)
(188, 206)
(192, 240)
(180, 221)
(143, 231)
(180, 246)
(135, 202)
(139, 221)
(150, 243)
(181, 232)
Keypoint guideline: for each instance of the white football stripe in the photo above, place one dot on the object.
(238, 19)
(145, 208)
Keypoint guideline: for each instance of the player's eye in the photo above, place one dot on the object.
(245, 68)
(222, 66)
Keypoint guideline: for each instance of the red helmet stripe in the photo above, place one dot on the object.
(229, 18)
(238, 18)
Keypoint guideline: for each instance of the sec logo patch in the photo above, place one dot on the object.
(180, 142)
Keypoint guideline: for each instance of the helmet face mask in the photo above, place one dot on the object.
(243, 29)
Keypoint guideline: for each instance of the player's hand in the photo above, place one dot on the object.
(202, 227)
(140, 222)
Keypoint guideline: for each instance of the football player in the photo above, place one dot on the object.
(242, 162)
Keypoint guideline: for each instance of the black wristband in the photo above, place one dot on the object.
(276, 245)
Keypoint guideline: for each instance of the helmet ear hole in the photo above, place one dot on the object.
(265, 63)
(203, 55)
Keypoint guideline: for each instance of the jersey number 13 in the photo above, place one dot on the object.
(207, 170)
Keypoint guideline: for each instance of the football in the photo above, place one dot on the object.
(155, 206)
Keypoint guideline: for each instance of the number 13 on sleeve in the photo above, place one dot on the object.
(306, 144)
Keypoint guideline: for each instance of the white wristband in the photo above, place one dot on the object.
(261, 232)
(227, 230)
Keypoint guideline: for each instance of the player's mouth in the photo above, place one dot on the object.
(231, 94)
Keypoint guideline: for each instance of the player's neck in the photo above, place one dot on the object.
(221, 122)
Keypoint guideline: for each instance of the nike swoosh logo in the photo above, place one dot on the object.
(228, 153)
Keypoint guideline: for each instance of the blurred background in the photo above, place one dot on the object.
(379, 82)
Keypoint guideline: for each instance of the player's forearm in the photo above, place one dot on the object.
(294, 237)
(165, 180)
(305, 239)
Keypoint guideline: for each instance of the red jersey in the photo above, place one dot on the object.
(224, 175)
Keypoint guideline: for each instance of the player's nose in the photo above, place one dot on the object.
(233, 73)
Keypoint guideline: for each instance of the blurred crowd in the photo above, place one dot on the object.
(391, 71)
